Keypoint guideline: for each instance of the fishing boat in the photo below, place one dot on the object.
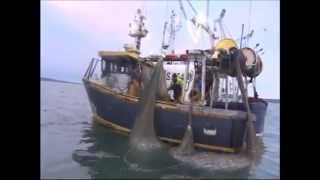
(219, 118)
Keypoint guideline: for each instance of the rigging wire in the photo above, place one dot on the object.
(210, 32)
(166, 10)
(193, 9)
(144, 9)
(249, 22)
(183, 11)
(164, 44)
(226, 27)
(207, 10)
(258, 31)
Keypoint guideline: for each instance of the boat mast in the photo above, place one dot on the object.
(174, 28)
(194, 21)
(137, 29)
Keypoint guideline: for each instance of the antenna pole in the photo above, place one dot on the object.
(140, 32)
(173, 29)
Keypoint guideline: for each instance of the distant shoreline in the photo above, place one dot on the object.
(55, 80)
(61, 81)
(273, 100)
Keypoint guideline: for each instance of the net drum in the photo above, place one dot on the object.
(253, 63)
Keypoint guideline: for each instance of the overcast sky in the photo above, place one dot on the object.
(72, 32)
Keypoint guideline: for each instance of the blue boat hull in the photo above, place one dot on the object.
(258, 108)
(216, 131)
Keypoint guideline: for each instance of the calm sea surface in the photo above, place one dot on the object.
(72, 146)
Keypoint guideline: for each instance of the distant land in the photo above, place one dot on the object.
(273, 100)
(55, 80)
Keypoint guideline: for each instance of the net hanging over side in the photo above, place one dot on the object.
(143, 135)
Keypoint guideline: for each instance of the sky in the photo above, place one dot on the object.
(72, 32)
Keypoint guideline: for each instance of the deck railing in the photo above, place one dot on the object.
(91, 68)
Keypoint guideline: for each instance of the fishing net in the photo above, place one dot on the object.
(162, 92)
(143, 136)
(186, 146)
(146, 151)
(238, 57)
(147, 73)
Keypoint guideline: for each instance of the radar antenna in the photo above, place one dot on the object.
(137, 29)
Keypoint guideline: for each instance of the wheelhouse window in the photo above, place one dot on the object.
(117, 73)
(116, 67)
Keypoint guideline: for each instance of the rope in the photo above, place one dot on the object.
(255, 93)
(250, 131)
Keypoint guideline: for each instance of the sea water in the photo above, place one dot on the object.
(72, 146)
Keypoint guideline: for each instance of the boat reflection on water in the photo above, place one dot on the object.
(100, 151)
(103, 151)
